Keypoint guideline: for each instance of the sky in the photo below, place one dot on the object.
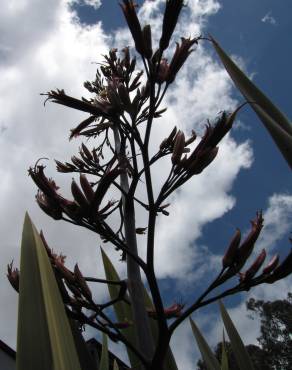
(48, 45)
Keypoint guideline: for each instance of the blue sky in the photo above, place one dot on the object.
(55, 48)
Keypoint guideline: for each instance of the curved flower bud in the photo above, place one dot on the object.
(178, 147)
(79, 279)
(247, 246)
(129, 10)
(170, 18)
(271, 265)
(230, 254)
(254, 268)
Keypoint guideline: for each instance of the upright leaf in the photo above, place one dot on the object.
(123, 311)
(242, 358)
(104, 362)
(210, 360)
(115, 367)
(44, 337)
(224, 357)
(274, 120)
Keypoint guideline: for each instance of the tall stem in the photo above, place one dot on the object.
(135, 285)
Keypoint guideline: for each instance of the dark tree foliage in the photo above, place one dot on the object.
(275, 340)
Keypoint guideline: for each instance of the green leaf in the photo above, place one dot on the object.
(44, 337)
(242, 358)
(224, 357)
(115, 367)
(104, 362)
(123, 311)
(210, 360)
(275, 121)
(86, 360)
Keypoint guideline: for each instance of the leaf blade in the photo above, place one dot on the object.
(53, 336)
(104, 360)
(210, 360)
(274, 120)
(238, 348)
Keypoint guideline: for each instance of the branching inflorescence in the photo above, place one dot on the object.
(120, 117)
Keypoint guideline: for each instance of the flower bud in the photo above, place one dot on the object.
(82, 283)
(271, 265)
(230, 254)
(147, 41)
(129, 11)
(125, 97)
(168, 141)
(170, 18)
(247, 246)
(283, 270)
(254, 268)
(178, 148)
(78, 195)
(86, 187)
(76, 131)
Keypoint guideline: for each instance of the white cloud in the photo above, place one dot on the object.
(52, 49)
(268, 18)
(95, 4)
(277, 221)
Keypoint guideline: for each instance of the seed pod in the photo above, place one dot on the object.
(147, 41)
(191, 139)
(230, 254)
(102, 188)
(86, 151)
(170, 18)
(202, 161)
(77, 162)
(79, 279)
(166, 142)
(86, 187)
(178, 147)
(76, 131)
(271, 265)
(61, 167)
(78, 195)
(128, 8)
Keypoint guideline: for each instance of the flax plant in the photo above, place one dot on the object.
(120, 115)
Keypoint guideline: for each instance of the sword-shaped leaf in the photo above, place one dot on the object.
(123, 311)
(242, 358)
(44, 337)
(210, 360)
(224, 357)
(115, 367)
(104, 362)
(275, 121)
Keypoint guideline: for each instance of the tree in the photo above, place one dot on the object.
(120, 116)
(275, 340)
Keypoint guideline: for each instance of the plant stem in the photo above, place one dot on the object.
(143, 332)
